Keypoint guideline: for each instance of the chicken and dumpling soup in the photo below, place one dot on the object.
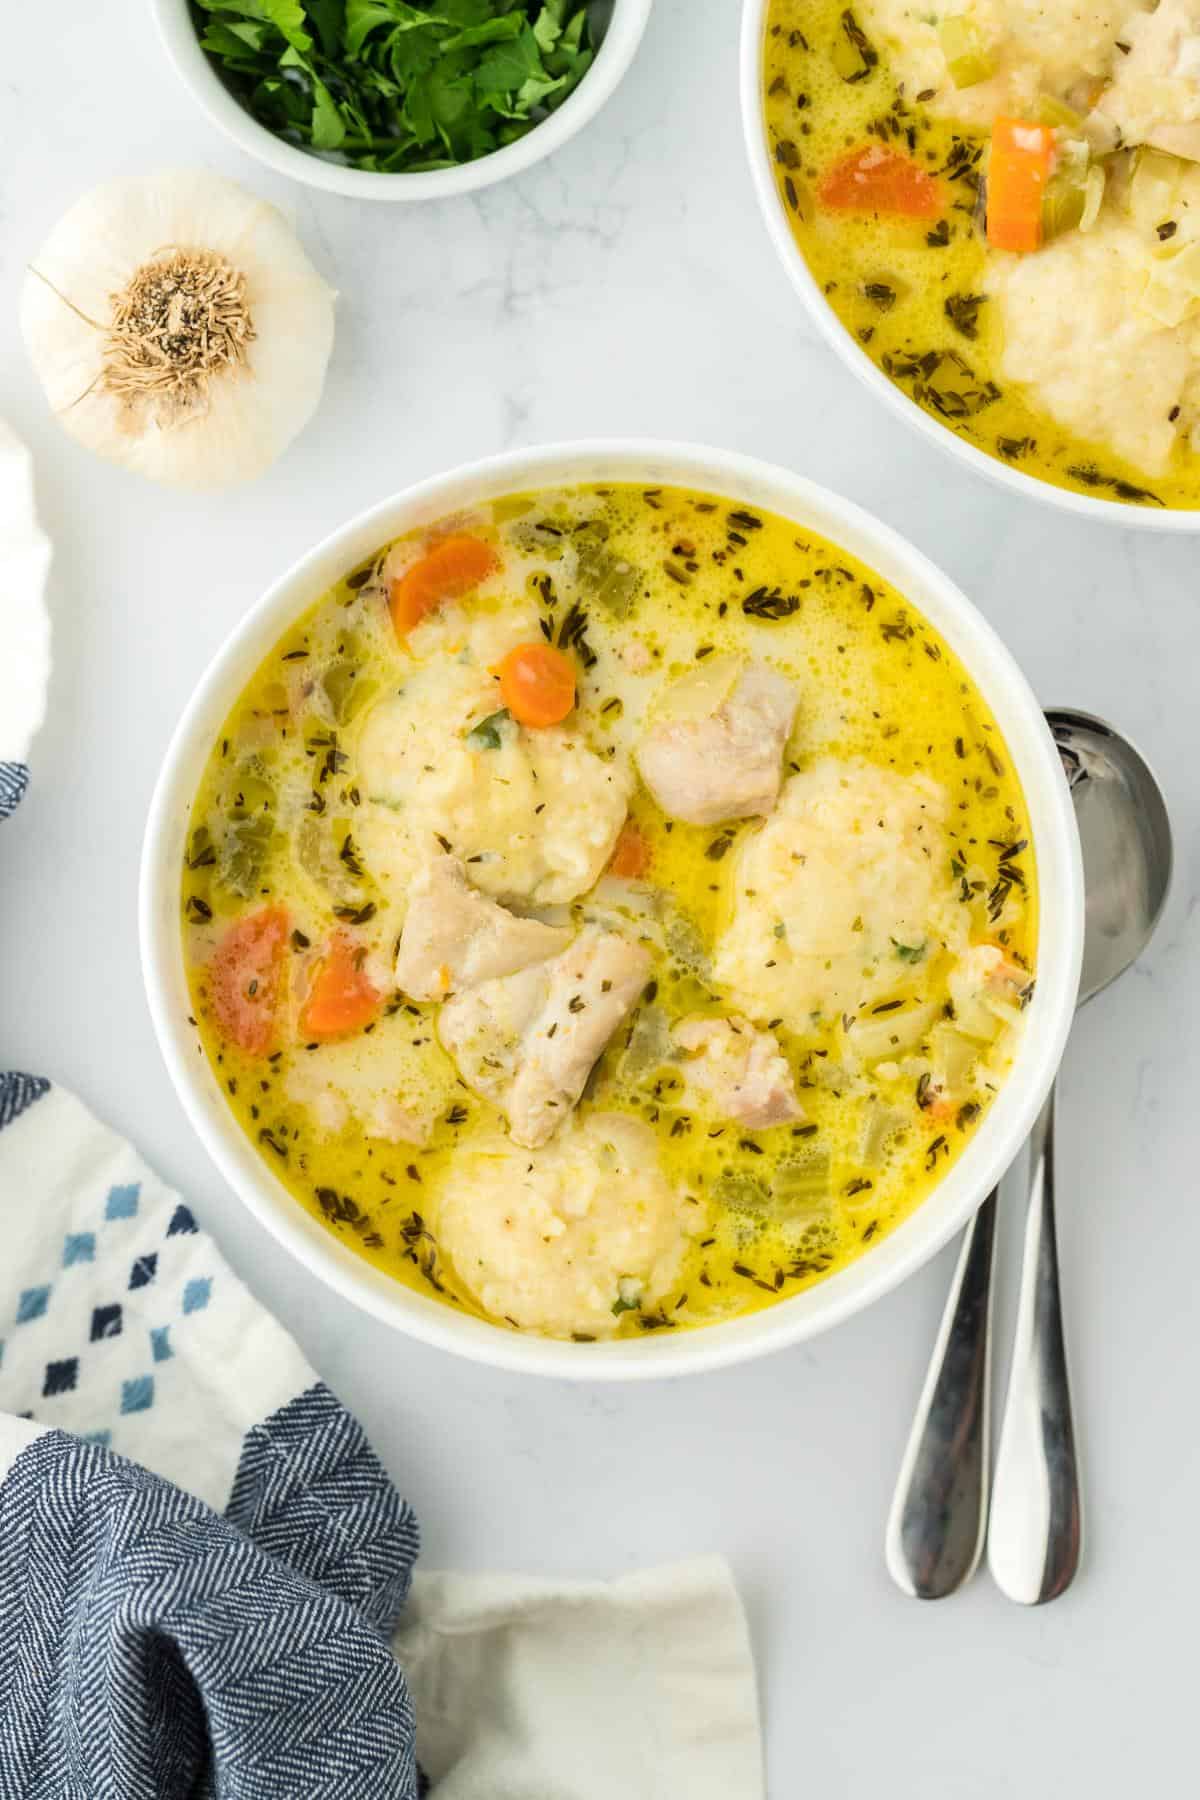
(1001, 203)
(610, 910)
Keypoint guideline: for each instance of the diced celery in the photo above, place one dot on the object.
(316, 845)
(1066, 192)
(880, 1125)
(649, 1047)
(1058, 114)
(608, 579)
(854, 56)
(1153, 192)
(1096, 180)
(243, 851)
(346, 690)
(878, 1037)
(802, 1189)
(741, 1194)
(967, 58)
(1062, 206)
(954, 1058)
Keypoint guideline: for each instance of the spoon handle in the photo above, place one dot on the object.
(1035, 1534)
(936, 1526)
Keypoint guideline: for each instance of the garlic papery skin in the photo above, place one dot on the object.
(178, 328)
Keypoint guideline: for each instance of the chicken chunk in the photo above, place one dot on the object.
(715, 751)
(741, 1068)
(529, 1041)
(455, 937)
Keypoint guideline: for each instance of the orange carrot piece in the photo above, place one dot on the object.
(631, 857)
(341, 998)
(1020, 164)
(537, 684)
(876, 178)
(247, 979)
(451, 568)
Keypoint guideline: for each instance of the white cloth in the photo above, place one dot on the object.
(641, 1688)
(24, 622)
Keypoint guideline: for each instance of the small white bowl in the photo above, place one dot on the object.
(754, 126)
(200, 76)
(1052, 827)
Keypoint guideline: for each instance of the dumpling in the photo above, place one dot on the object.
(534, 815)
(565, 1239)
(841, 896)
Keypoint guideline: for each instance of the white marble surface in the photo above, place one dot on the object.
(628, 286)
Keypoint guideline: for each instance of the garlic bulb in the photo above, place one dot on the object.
(178, 328)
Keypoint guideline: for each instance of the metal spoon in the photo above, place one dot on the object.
(939, 1513)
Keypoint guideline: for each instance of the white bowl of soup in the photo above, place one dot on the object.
(612, 910)
(996, 224)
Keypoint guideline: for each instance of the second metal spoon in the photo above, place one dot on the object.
(939, 1514)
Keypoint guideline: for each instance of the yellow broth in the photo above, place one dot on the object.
(782, 1206)
(910, 291)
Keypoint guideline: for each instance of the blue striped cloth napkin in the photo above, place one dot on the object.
(222, 1624)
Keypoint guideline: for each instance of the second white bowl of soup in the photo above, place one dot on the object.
(612, 911)
(994, 217)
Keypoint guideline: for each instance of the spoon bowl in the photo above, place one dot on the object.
(1125, 835)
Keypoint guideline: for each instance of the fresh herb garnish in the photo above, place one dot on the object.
(486, 735)
(397, 87)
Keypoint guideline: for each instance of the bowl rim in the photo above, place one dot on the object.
(199, 76)
(856, 358)
(981, 1162)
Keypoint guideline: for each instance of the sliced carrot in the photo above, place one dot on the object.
(450, 569)
(537, 684)
(1020, 164)
(631, 857)
(247, 979)
(341, 998)
(876, 178)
